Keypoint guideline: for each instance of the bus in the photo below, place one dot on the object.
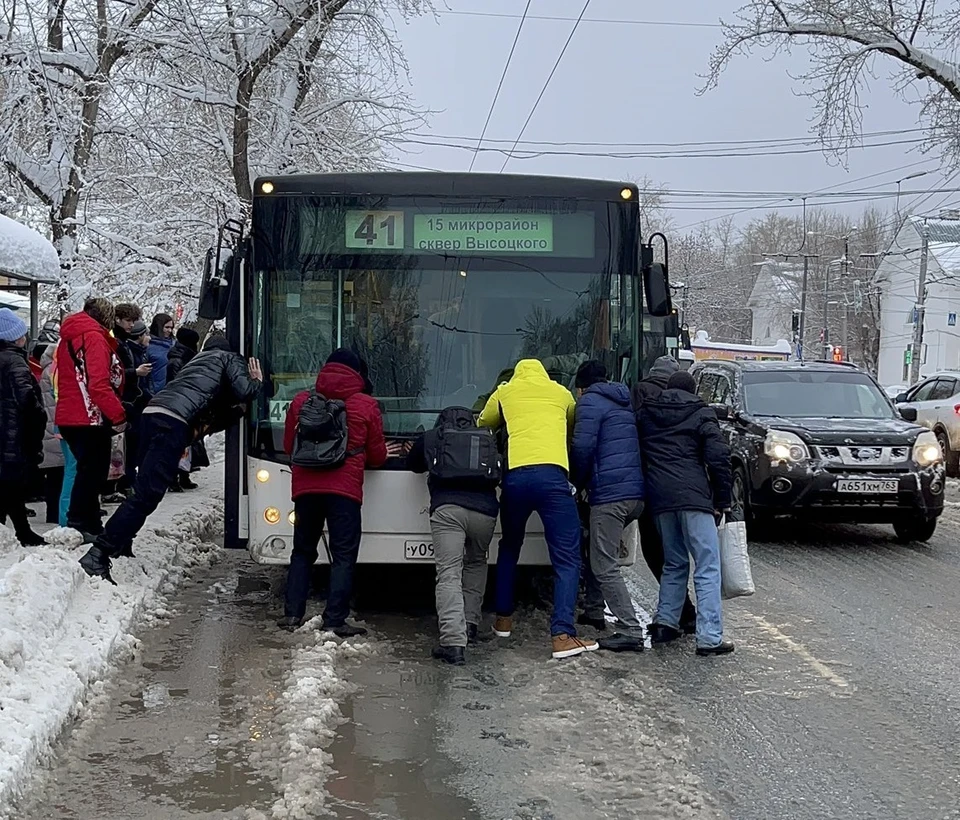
(440, 282)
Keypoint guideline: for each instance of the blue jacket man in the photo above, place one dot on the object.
(605, 459)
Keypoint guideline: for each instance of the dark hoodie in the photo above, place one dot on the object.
(655, 383)
(477, 495)
(686, 462)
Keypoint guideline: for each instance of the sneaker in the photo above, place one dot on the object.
(661, 633)
(565, 646)
(31, 539)
(96, 563)
(475, 636)
(503, 626)
(618, 642)
(346, 630)
(597, 623)
(288, 623)
(454, 655)
(722, 648)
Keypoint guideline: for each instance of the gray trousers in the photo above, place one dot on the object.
(461, 538)
(604, 582)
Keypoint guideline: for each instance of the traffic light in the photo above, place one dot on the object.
(838, 354)
(795, 322)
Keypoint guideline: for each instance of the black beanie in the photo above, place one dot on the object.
(590, 373)
(188, 338)
(681, 380)
(346, 357)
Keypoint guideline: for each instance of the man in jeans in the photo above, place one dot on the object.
(463, 513)
(687, 477)
(538, 415)
(605, 458)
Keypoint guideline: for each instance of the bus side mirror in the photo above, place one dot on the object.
(657, 290)
(214, 288)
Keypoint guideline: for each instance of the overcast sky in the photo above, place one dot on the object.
(636, 82)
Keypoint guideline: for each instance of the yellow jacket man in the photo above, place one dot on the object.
(538, 415)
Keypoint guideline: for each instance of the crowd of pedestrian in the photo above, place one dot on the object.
(655, 457)
(102, 393)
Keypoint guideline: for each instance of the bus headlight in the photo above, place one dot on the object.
(926, 450)
(271, 515)
(781, 445)
(263, 476)
(267, 187)
(626, 193)
(292, 518)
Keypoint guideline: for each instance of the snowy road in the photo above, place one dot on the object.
(841, 701)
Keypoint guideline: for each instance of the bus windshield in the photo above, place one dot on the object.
(439, 321)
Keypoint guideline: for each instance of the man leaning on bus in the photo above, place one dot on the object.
(538, 415)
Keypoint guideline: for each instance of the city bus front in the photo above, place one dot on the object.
(441, 283)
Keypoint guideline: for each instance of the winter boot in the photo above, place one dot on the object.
(475, 636)
(346, 630)
(30, 539)
(185, 482)
(722, 648)
(661, 633)
(454, 655)
(289, 624)
(618, 642)
(96, 563)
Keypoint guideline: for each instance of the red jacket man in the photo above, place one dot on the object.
(333, 497)
(89, 382)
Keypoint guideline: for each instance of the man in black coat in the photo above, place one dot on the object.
(22, 425)
(184, 349)
(208, 395)
(687, 475)
(650, 543)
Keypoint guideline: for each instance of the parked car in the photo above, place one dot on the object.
(937, 402)
(823, 441)
(895, 390)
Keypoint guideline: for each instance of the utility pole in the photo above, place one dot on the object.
(917, 346)
(806, 257)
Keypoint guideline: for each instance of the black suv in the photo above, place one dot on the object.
(823, 440)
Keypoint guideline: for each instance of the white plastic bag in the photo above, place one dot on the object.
(736, 579)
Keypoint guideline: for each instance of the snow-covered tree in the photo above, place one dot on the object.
(848, 42)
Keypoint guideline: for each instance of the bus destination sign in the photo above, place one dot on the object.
(478, 233)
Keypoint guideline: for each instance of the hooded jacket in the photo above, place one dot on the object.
(210, 393)
(686, 462)
(471, 494)
(22, 419)
(538, 414)
(364, 434)
(52, 451)
(656, 382)
(605, 454)
(89, 374)
(158, 352)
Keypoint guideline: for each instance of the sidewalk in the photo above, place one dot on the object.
(61, 632)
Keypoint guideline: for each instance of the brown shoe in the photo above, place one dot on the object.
(503, 626)
(565, 646)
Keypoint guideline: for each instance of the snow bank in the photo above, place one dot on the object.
(60, 631)
(23, 251)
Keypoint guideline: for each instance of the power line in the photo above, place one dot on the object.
(608, 20)
(503, 76)
(543, 90)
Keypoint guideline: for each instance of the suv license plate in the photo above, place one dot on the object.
(418, 550)
(868, 486)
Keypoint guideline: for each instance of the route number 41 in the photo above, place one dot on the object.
(374, 229)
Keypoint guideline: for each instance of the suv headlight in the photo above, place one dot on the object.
(780, 445)
(926, 450)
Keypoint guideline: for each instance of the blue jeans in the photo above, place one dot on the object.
(541, 489)
(69, 474)
(687, 534)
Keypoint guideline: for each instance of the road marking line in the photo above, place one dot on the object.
(798, 649)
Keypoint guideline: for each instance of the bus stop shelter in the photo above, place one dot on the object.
(27, 260)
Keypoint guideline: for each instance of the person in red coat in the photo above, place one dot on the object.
(333, 496)
(89, 412)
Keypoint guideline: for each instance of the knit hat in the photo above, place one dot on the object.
(590, 373)
(346, 357)
(681, 380)
(12, 327)
(188, 338)
(138, 329)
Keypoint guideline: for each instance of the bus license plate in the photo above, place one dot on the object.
(868, 486)
(418, 550)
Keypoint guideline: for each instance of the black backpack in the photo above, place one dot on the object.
(457, 451)
(321, 437)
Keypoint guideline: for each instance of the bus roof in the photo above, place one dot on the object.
(443, 183)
